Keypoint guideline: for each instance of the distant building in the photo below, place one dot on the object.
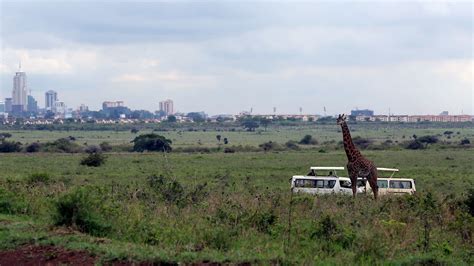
(32, 104)
(8, 105)
(60, 108)
(19, 93)
(83, 108)
(444, 113)
(51, 97)
(167, 107)
(2, 107)
(106, 105)
(365, 112)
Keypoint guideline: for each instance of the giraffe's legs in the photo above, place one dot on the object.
(353, 178)
(373, 182)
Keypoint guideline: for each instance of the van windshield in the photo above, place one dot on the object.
(315, 183)
(400, 184)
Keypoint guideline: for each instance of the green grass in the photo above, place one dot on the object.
(236, 207)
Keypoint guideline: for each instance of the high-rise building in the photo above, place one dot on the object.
(8, 105)
(51, 97)
(2, 107)
(19, 93)
(32, 104)
(167, 107)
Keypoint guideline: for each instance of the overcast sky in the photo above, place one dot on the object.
(229, 56)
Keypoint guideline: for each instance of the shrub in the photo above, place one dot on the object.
(229, 150)
(92, 149)
(38, 178)
(151, 142)
(308, 140)
(268, 146)
(360, 142)
(170, 191)
(11, 203)
(415, 145)
(264, 220)
(5, 135)
(428, 139)
(78, 209)
(105, 146)
(33, 147)
(218, 238)
(10, 146)
(470, 201)
(292, 145)
(62, 145)
(465, 141)
(93, 160)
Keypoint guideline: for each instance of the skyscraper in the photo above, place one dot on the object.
(19, 93)
(167, 107)
(51, 97)
(8, 105)
(32, 104)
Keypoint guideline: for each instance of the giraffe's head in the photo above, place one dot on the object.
(341, 119)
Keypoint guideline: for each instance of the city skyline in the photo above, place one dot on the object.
(414, 58)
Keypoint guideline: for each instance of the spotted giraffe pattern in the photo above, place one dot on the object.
(357, 165)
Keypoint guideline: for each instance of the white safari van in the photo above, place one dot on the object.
(325, 180)
(393, 185)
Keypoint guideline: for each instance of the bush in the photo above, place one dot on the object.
(105, 146)
(5, 135)
(362, 143)
(292, 145)
(10, 146)
(428, 139)
(469, 202)
(33, 147)
(11, 203)
(170, 191)
(268, 146)
(151, 142)
(415, 145)
(93, 160)
(92, 149)
(229, 150)
(38, 178)
(78, 209)
(465, 141)
(308, 140)
(62, 145)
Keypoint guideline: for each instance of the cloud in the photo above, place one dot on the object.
(229, 56)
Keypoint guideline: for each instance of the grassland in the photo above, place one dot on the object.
(237, 207)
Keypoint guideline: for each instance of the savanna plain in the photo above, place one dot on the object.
(210, 200)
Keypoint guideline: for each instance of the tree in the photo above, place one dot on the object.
(265, 122)
(151, 142)
(308, 140)
(250, 124)
(171, 119)
(196, 117)
(465, 141)
(134, 130)
(226, 141)
(218, 137)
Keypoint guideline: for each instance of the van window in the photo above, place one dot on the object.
(305, 183)
(345, 184)
(382, 183)
(400, 184)
(311, 183)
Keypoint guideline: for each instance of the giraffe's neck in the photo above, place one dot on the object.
(351, 151)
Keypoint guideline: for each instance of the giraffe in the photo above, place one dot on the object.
(358, 165)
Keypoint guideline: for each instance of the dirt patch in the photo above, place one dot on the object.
(45, 255)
